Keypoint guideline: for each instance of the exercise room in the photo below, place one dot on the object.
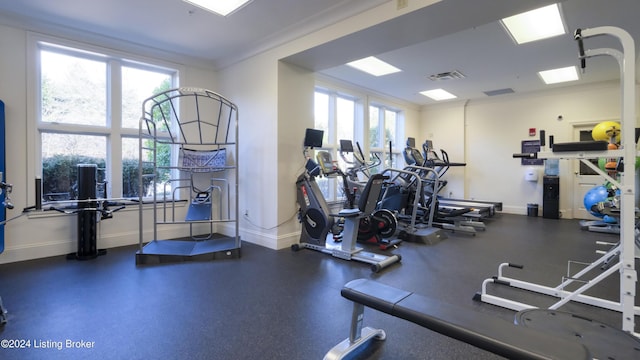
(299, 179)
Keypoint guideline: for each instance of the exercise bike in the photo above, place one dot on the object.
(317, 221)
(378, 226)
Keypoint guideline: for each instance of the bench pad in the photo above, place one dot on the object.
(478, 329)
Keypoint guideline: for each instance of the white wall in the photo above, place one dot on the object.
(444, 125)
(252, 86)
(275, 105)
(485, 134)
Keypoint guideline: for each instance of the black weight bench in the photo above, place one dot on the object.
(478, 329)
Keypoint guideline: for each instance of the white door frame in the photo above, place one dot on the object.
(582, 183)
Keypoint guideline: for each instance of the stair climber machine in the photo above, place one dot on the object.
(361, 168)
(403, 195)
(318, 222)
(410, 200)
(454, 217)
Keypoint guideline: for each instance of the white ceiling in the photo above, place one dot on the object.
(461, 35)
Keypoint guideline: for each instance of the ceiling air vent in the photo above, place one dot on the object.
(499, 92)
(449, 75)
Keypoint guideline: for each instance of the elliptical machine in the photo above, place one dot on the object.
(446, 217)
(358, 165)
(317, 221)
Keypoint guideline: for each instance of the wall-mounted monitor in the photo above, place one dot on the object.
(313, 138)
(346, 146)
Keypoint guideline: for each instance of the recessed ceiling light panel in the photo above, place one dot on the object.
(221, 7)
(537, 24)
(438, 94)
(374, 66)
(555, 76)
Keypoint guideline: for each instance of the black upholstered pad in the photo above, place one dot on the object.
(581, 146)
(478, 329)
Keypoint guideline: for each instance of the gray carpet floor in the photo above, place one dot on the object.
(277, 304)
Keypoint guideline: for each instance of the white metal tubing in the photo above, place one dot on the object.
(591, 266)
(604, 175)
(628, 275)
(546, 290)
(506, 303)
(565, 295)
(587, 285)
(626, 249)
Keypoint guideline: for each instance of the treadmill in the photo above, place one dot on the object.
(480, 209)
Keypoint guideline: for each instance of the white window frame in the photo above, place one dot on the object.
(112, 130)
(363, 102)
(333, 146)
(397, 143)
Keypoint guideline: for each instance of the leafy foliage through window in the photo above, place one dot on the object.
(341, 117)
(89, 110)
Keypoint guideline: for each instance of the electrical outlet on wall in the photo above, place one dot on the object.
(401, 4)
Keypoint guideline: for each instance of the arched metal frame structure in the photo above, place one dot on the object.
(200, 124)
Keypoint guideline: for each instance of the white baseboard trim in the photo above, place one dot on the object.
(51, 248)
(62, 247)
(271, 241)
(522, 210)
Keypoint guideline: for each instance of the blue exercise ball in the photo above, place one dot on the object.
(594, 196)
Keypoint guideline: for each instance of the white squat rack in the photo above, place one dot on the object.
(625, 249)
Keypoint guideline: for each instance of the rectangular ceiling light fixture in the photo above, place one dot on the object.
(374, 66)
(533, 25)
(554, 76)
(220, 7)
(438, 94)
